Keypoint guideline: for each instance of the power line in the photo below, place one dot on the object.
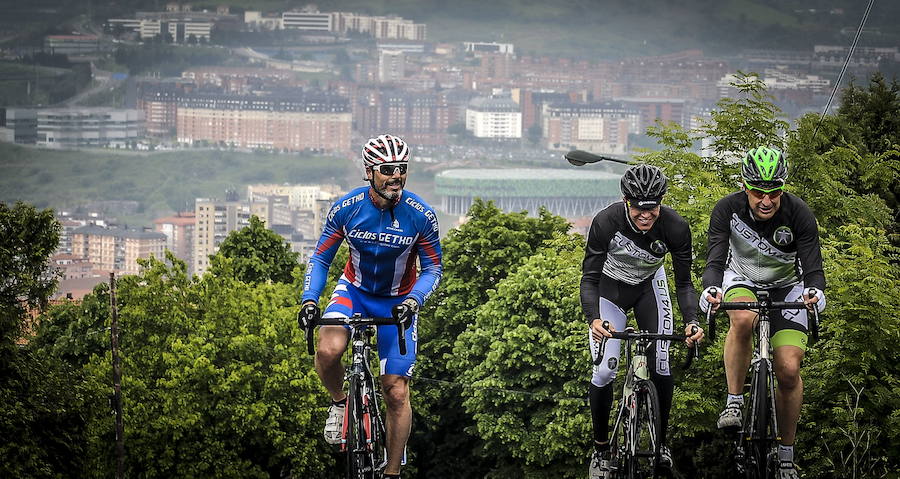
(540, 396)
(844, 68)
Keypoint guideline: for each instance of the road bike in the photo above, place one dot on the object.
(363, 438)
(756, 454)
(636, 441)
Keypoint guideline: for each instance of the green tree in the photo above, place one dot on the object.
(530, 336)
(750, 120)
(215, 382)
(476, 257)
(255, 254)
(850, 425)
(40, 397)
(27, 239)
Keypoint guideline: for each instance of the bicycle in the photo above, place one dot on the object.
(636, 445)
(363, 441)
(757, 441)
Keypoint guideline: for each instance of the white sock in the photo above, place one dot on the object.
(786, 453)
(735, 398)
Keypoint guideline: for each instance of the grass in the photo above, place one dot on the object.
(161, 182)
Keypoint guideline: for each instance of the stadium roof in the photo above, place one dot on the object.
(527, 182)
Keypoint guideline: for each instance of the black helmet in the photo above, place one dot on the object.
(644, 186)
(764, 168)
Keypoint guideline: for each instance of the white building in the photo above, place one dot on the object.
(494, 118)
(391, 66)
(307, 20)
(493, 47)
(78, 127)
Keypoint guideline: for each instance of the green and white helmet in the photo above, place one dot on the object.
(764, 168)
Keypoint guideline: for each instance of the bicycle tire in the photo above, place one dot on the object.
(359, 458)
(378, 435)
(618, 443)
(758, 440)
(648, 434)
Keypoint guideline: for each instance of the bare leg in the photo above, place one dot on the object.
(399, 419)
(737, 347)
(332, 344)
(789, 393)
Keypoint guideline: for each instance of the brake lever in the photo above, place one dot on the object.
(602, 350)
(814, 327)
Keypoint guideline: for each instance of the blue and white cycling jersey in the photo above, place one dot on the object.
(384, 246)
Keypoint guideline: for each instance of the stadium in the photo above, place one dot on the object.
(567, 193)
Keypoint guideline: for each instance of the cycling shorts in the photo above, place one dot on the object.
(652, 307)
(789, 327)
(348, 300)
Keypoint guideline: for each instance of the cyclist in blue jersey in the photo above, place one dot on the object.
(388, 230)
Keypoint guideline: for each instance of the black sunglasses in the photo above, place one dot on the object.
(388, 170)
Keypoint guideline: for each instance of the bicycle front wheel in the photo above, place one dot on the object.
(360, 464)
(648, 433)
(758, 438)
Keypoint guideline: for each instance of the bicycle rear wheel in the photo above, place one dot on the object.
(758, 437)
(648, 433)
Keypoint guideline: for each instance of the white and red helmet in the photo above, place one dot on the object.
(384, 149)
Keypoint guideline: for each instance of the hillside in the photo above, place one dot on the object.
(160, 183)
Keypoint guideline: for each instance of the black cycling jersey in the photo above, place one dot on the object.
(778, 252)
(617, 249)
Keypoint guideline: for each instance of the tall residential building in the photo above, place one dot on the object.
(391, 65)
(308, 121)
(214, 220)
(179, 231)
(116, 249)
(499, 118)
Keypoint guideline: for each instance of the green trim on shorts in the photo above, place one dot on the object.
(739, 292)
(789, 337)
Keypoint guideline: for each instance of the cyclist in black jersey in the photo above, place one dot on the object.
(763, 238)
(622, 270)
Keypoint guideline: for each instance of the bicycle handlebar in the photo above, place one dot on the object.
(766, 305)
(631, 334)
(355, 322)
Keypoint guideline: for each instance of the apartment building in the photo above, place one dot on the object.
(601, 127)
(215, 219)
(391, 27)
(159, 102)
(305, 121)
(116, 249)
(391, 65)
(179, 231)
(494, 117)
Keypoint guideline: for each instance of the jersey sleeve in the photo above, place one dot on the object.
(809, 251)
(429, 249)
(717, 244)
(595, 252)
(682, 259)
(320, 260)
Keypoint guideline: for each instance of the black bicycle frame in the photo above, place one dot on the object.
(639, 399)
(364, 440)
(755, 457)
